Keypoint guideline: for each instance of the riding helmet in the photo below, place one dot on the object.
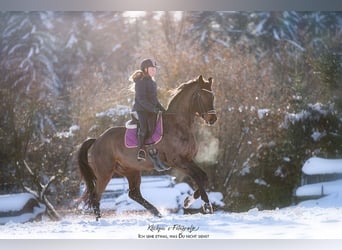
(147, 63)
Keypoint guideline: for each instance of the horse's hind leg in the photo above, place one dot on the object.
(101, 184)
(96, 207)
(134, 181)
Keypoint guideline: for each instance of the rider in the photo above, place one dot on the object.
(146, 103)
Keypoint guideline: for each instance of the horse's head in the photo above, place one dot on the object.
(194, 97)
(203, 100)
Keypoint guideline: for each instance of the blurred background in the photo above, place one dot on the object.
(277, 84)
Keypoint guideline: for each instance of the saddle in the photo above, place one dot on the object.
(133, 123)
(131, 140)
(131, 134)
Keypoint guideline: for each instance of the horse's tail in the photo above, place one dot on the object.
(89, 196)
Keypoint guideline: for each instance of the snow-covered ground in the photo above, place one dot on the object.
(297, 222)
(290, 223)
(315, 219)
(14, 203)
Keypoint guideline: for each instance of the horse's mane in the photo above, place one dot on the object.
(176, 91)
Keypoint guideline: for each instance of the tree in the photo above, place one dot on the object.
(29, 83)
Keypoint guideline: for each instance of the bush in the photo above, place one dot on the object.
(276, 171)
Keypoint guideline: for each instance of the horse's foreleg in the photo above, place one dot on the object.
(206, 207)
(134, 181)
(189, 200)
(201, 179)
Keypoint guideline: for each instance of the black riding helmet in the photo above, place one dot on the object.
(147, 63)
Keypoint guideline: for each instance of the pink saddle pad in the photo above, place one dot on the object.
(131, 138)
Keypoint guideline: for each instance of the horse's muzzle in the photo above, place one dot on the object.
(210, 117)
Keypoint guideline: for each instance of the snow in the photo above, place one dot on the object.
(262, 113)
(246, 169)
(72, 40)
(116, 47)
(119, 110)
(316, 135)
(10, 204)
(289, 223)
(316, 165)
(260, 27)
(23, 217)
(16, 202)
(275, 35)
(313, 112)
(89, 18)
(295, 45)
(330, 190)
(322, 188)
(312, 219)
(294, 117)
(46, 18)
(70, 133)
(261, 182)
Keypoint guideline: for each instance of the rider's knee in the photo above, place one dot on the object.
(142, 133)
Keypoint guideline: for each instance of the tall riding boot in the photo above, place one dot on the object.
(141, 152)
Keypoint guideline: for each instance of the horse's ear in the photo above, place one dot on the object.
(200, 78)
(210, 82)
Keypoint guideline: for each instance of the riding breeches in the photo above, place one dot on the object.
(147, 125)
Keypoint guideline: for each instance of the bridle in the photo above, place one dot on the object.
(198, 100)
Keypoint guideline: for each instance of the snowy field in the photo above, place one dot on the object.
(289, 223)
(299, 222)
(313, 219)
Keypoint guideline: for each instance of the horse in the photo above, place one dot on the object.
(99, 159)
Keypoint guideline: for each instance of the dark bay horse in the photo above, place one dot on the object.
(99, 159)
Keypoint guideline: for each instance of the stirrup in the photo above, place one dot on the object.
(141, 155)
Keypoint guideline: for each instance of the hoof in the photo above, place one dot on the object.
(97, 214)
(156, 213)
(207, 208)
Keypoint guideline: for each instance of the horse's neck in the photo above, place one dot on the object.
(177, 128)
(181, 104)
(180, 108)
(183, 120)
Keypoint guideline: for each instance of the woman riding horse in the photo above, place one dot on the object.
(146, 103)
(101, 158)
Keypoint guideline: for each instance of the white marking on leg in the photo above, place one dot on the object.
(189, 201)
